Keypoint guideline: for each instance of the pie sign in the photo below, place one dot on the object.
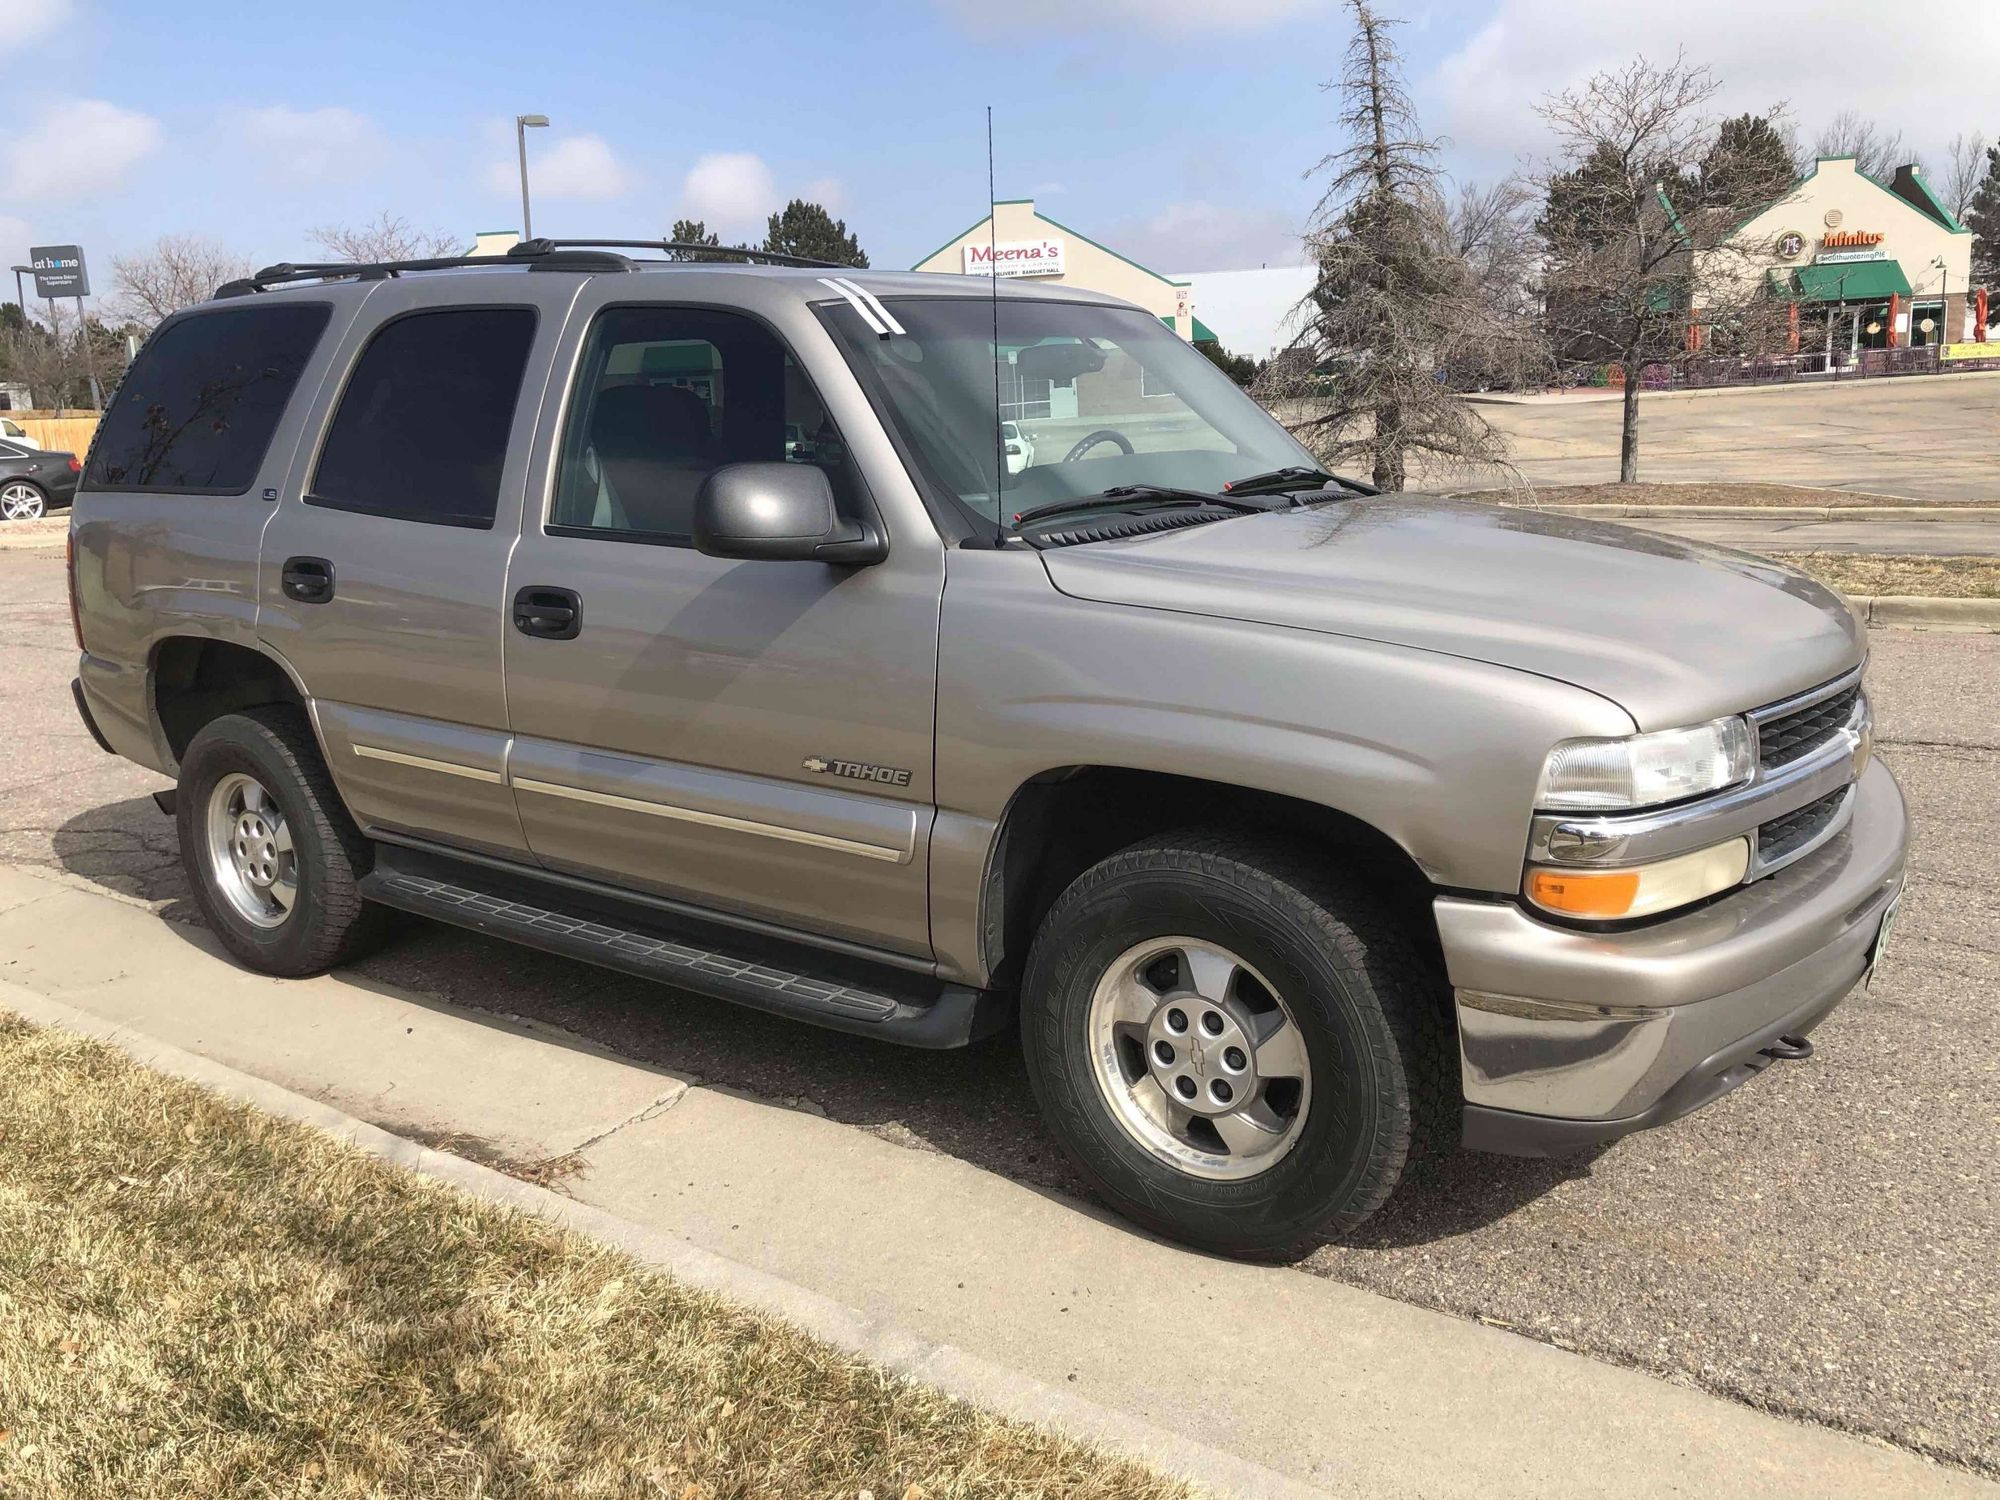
(1791, 245)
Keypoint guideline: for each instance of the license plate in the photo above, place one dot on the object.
(1881, 942)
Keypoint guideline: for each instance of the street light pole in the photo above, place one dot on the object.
(20, 294)
(522, 123)
(1944, 303)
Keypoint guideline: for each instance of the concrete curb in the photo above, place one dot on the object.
(1929, 614)
(887, 1344)
(1989, 514)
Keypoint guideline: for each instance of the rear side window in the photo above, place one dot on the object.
(421, 430)
(195, 413)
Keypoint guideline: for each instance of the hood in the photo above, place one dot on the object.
(1673, 631)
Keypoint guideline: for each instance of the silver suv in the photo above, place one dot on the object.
(691, 619)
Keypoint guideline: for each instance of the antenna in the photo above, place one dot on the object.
(993, 282)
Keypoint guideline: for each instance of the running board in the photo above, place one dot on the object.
(929, 1015)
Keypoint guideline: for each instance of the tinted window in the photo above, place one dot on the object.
(421, 430)
(197, 409)
(667, 395)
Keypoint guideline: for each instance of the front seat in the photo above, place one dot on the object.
(654, 446)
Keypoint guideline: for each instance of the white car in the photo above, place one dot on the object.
(1020, 451)
(9, 428)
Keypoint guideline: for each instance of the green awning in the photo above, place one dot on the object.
(1856, 281)
(1203, 334)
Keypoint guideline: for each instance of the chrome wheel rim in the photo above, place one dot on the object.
(21, 502)
(1199, 1058)
(250, 855)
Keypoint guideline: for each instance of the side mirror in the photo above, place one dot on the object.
(778, 512)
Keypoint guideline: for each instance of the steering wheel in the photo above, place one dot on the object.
(1092, 439)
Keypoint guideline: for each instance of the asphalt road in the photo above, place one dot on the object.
(1926, 437)
(1819, 1243)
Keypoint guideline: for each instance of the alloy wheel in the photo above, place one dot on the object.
(22, 502)
(1199, 1058)
(250, 853)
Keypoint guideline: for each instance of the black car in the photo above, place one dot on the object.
(33, 481)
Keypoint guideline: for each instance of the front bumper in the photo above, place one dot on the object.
(1570, 1038)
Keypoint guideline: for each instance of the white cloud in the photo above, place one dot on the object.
(730, 191)
(24, 21)
(986, 18)
(306, 145)
(1774, 51)
(570, 166)
(85, 146)
(1197, 235)
(828, 192)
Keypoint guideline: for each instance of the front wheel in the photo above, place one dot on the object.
(1237, 1048)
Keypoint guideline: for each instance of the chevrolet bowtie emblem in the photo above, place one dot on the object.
(815, 765)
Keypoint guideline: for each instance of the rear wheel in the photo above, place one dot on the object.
(1237, 1048)
(272, 856)
(22, 501)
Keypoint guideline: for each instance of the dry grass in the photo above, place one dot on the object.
(197, 1299)
(1883, 573)
(1777, 496)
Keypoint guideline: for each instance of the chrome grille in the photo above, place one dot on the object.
(1787, 835)
(1784, 739)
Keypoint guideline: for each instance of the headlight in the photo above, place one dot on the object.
(1644, 770)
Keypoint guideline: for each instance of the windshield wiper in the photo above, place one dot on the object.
(1135, 494)
(1294, 477)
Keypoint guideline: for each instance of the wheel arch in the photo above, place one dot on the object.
(1061, 822)
(195, 679)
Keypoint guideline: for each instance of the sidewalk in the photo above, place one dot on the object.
(961, 1270)
(1596, 395)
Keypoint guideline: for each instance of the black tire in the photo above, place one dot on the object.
(1373, 1014)
(329, 923)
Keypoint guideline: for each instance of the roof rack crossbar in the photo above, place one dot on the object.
(537, 259)
(739, 252)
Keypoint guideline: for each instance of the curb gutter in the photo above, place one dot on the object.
(895, 1348)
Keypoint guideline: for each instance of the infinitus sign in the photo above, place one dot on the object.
(1015, 258)
(1850, 239)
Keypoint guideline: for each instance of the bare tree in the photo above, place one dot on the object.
(385, 237)
(1395, 305)
(1492, 232)
(1964, 169)
(1877, 151)
(1644, 266)
(178, 271)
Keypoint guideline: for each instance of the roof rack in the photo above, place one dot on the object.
(537, 255)
(740, 252)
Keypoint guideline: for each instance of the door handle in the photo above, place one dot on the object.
(308, 579)
(548, 614)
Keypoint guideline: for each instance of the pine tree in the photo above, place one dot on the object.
(693, 232)
(1395, 304)
(1983, 219)
(808, 230)
(1750, 161)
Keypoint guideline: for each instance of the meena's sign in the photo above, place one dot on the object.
(1043, 257)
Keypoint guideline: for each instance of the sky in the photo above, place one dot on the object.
(1179, 132)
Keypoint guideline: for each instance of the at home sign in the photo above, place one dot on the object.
(1042, 257)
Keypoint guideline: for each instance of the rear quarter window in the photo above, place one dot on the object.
(195, 413)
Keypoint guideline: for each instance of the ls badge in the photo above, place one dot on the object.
(856, 770)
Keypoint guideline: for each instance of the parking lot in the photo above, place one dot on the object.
(1929, 438)
(1819, 1243)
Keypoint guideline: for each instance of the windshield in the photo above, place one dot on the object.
(1096, 397)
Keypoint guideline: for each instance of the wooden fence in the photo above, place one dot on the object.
(62, 431)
